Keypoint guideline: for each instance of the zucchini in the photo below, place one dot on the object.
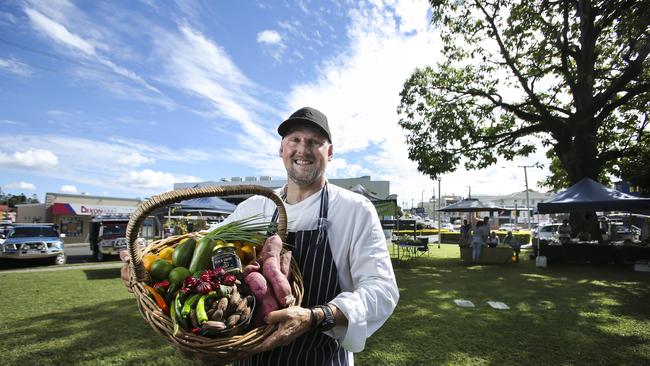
(202, 257)
(182, 256)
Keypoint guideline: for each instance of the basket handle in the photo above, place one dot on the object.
(158, 201)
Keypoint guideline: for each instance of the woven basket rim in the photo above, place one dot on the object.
(210, 350)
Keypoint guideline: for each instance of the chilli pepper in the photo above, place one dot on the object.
(190, 304)
(201, 315)
(159, 300)
(178, 306)
(174, 316)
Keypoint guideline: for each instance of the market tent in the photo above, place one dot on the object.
(589, 195)
(204, 205)
(364, 192)
(471, 205)
(384, 207)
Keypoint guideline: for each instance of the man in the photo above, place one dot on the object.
(465, 234)
(339, 245)
(564, 232)
(514, 243)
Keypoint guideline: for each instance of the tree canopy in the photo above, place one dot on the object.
(567, 76)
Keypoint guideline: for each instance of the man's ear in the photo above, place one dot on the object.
(280, 150)
(330, 152)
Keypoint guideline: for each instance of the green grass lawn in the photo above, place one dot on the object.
(560, 315)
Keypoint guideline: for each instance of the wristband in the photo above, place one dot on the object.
(329, 322)
(313, 319)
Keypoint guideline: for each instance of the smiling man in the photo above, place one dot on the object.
(340, 248)
(339, 245)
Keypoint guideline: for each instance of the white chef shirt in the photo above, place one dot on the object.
(365, 272)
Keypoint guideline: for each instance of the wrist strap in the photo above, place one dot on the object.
(313, 319)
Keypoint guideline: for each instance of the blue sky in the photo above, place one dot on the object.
(124, 98)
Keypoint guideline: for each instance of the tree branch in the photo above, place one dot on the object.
(543, 111)
(633, 70)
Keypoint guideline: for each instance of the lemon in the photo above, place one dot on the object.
(166, 253)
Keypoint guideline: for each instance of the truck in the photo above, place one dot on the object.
(107, 235)
(34, 241)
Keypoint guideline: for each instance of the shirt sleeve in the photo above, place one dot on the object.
(374, 293)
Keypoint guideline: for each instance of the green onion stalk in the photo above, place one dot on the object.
(248, 230)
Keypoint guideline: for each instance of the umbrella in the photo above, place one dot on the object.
(471, 205)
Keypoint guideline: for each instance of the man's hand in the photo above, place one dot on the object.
(293, 321)
(124, 271)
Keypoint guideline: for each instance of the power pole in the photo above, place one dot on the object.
(527, 200)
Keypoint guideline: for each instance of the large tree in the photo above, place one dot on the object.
(516, 76)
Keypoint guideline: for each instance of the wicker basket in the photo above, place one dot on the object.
(216, 351)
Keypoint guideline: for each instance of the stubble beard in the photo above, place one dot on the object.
(304, 179)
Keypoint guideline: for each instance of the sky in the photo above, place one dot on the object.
(125, 98)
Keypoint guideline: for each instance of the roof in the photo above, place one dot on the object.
(364, 192)
(471, 205)
(589, 195)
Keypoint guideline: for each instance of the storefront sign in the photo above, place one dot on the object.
(90, 210)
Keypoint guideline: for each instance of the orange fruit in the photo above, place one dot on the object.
(148, 260)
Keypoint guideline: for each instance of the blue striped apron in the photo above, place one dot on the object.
(311, 251)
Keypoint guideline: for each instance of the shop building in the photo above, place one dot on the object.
(72, 213)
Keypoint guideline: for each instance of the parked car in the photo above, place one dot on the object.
(508, 227)
(428, 223)
(447, 226)
(34, 241)
(544, 233)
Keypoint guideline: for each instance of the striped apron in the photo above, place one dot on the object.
(311, 251)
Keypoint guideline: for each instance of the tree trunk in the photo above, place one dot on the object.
(578, 156)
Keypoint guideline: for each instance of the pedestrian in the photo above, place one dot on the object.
(493, 240)
(465, 234)
(564, 232)
(514, 243)
(477, 241)
(339, 245)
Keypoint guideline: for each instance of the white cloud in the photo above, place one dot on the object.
(154, 179)
(359, 92)
(59, 32)
(22, 186)
(68, 188)
(201, 67)
(272, 43)
(135, 159)
(269, 37)
(64, 16)
(98, 163)
(31, 159)
(13, 66)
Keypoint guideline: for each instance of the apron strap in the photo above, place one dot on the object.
(322, 215)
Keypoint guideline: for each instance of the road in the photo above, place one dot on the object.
(76, 254)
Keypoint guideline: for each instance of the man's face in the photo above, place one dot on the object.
(305, 152)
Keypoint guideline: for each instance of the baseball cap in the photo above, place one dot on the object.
(306, 115)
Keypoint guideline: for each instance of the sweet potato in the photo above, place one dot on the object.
(266, 302)
(273, 274)
(278, 281)
(272, 248)
(285, 263)
(253, 266)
